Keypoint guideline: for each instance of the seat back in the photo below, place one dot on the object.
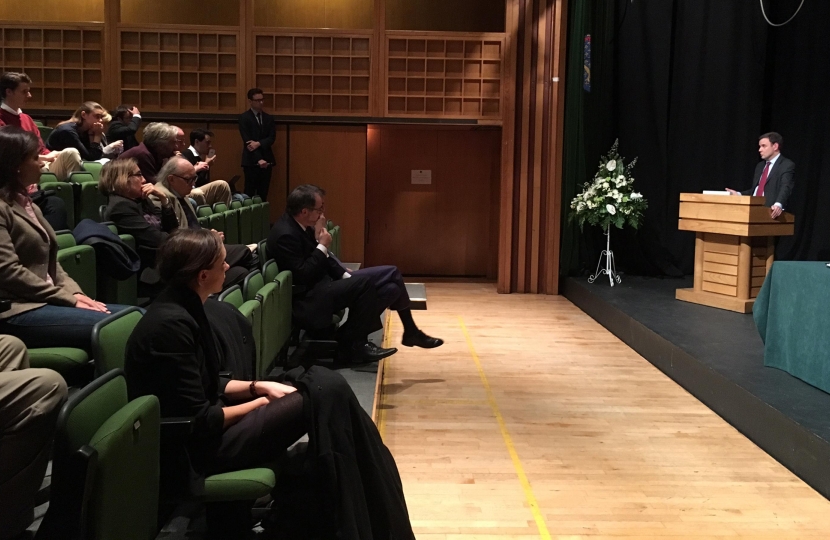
(270, 271)
(245, 225)
(268, 296)
(79, 263)
(266, 219)
(86, 207)
(64, 190)
(262, 252)
(115, 291)
(247, 202)
(251, 310)
(335, 241)
(109, 339)
(231, 226)
(117, 496)
(257, 231)
(236, 204)
(256, 199)
(281, 331)
(216, 221)
(219, 207)
(45, 131)
(93, 168)
(204, 221)
(204, 211)
(252, 284)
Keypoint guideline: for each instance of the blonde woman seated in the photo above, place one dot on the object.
(48, 309)
(85, 133)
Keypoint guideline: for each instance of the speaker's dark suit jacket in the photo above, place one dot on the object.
(250, 130)
(295, 249)
(779, 181)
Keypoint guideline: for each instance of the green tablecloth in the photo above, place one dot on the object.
(792, 313)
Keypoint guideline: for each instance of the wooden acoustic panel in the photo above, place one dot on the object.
(342, 14)
(180, 70)
(313, 73)
(443, 75)
(65, 64)
(58, 11)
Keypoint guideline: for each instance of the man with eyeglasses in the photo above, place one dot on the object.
(176, 180)
(299, 242)
(258, 131)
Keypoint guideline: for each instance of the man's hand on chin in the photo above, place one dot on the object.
(775, 211)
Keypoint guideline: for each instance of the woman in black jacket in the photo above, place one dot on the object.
(173, 354)
(132, 211)
(85, 133)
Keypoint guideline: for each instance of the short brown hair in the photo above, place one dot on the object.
(11, 80)
(774, 138)
(115, 175)
(185, 253)
(16, 146)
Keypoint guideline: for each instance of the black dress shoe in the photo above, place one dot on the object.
(419, 339)
(362, 353)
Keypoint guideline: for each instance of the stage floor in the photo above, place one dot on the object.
(718, 356)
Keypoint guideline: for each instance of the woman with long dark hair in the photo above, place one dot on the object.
(48, 309)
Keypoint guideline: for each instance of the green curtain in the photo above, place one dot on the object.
(589, 116)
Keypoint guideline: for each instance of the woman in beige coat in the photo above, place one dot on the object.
(48, 309)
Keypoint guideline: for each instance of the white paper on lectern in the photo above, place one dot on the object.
(714, 192)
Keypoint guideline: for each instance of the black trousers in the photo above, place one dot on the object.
(257, 181)
(241, 262)
(261, 436)
(52, 208)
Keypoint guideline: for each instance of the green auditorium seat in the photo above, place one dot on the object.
(89, 197)
(216, 221)
(93, 168)
(246, 225)
(257, 231)
(70, 363)
(45, 131)
(256, 199)
(262, 253)
(109, 339)
(105, 468)
(335, 241)
(252, 310)
(329, 225)
(255, 288)
(266, 218)
(49, 182)
(247, 202)
(79, 263)
(111, 290)
(231, 226)
(204, 211)
(235, 204)
(219, 207)
(203, 221)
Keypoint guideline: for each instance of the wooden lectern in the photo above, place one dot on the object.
(734, 248)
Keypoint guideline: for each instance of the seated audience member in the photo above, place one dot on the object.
(48, 309)
(125, 123)
(130, 208)
(175, 181)
(15, 91)
(30, 400)
(210, 192)
(299, 242)
(158, 146)
(85, 133)
(319, 287)
(198, 154)
(174, 355)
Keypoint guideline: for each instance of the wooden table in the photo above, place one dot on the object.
(734, 248)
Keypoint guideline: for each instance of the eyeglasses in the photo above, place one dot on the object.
(260, 100)
(138, 174)
(321, 209)
(190, 180)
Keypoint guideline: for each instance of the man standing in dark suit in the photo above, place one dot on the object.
(258, 131)
(323, 286)
(774, 176)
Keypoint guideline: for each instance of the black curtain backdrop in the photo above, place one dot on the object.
(696, 83)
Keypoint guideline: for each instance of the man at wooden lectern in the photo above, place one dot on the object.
(774, 176)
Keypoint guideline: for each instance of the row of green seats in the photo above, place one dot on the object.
(241, 224)
(79, 193)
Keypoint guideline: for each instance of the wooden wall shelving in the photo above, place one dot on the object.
(314, 73)
(65, 61)
(442, 75)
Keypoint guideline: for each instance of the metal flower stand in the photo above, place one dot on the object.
(610, 268)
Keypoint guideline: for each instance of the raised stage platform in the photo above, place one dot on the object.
(717, 356)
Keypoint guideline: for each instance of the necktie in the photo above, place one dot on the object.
(763, 183)
(259, 120)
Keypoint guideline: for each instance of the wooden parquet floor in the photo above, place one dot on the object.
(533, 421)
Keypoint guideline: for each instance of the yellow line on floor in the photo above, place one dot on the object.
(381, 411)
(517, 464)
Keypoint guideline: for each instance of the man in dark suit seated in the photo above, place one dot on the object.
(320, 280)
(774, 176)
(199, 154)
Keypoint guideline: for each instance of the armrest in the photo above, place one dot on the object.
(178, 481)
(226, 375)
(70, 493)
(5, 305)
(176, 429)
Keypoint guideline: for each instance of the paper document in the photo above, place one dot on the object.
(714, 192)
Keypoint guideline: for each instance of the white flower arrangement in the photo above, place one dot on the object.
(610, 198)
